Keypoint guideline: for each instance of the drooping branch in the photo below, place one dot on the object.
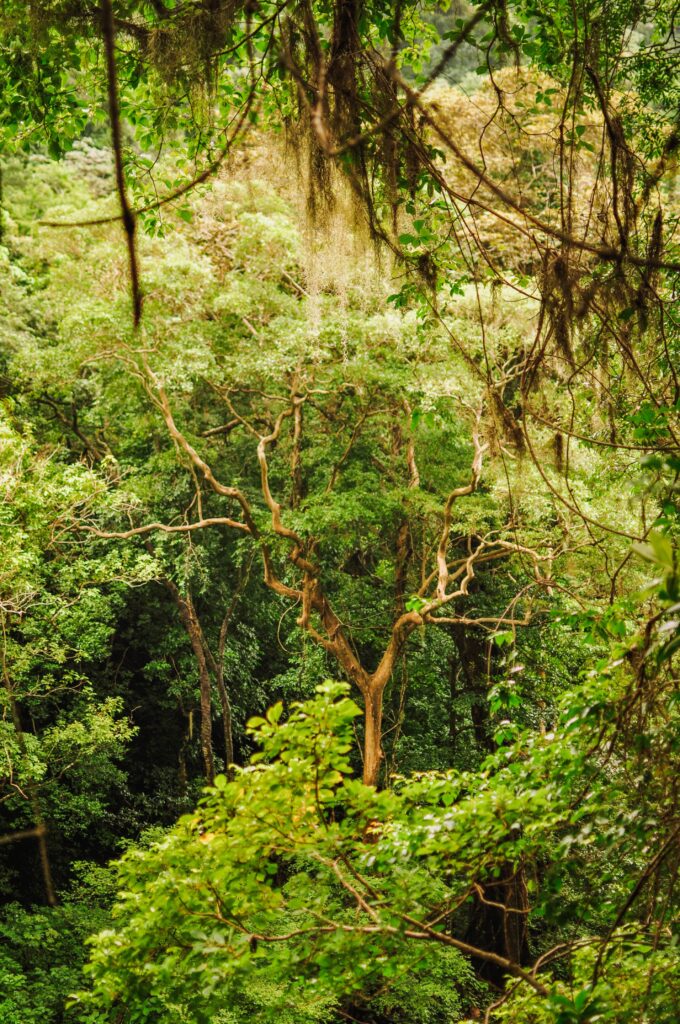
(414, 99)
(127, 216)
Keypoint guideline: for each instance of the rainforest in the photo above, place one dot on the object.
(339, 526)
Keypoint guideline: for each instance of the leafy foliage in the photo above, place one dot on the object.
(340, 341)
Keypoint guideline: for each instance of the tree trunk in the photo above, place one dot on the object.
(298, 490)
(501, 928)
(182, 755)
(516, 899)
(472, 657)
(226, 721)
(189, 619)
(188, 616)
(373, 736)
(454, 723)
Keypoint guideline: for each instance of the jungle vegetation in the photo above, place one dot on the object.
(339, 461)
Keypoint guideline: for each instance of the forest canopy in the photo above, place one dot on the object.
(339, 453)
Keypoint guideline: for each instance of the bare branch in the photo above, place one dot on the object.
(137, 531)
